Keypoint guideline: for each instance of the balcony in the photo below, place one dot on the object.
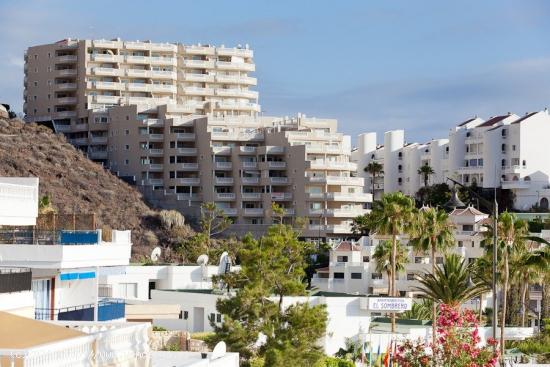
(236, 79)
(155, 167)
(106, 44)
(79, 141)
(99, 139)
(199, 50)
(188, 166)
(344, 212)
(276, 165)
(253, 212)
(249, 165)
(233, 51)
(154, 181)
(251, 196)
(224, 180)
(189, 197)
(229, 211)
(278, 180)
(237, 106)
(107, 71)
(137, 87)
(338, 228)
(237, 93)
(172, 61)
(155, 137)
(187, 151)
(67, 72)
(236, 135)
(337, 180)
(223, 165)
(515, 169)
(67, 59)
(201, 78)
(48, 249)
(62, 128)
(163, 74)
(345, 166)
(65, 100)
(163, 88)
(199, 64)
(222, 150)
(106, 58)
(197, 91)
(106, 99)
(185, 136)
(224, 65)
(108, 310)
(281, 196)
(225, 196)
(517, 184)
(100, 154)
(65, 86)
(108, 85)
(250, 180)
(189, 181)
(247, 149)
(14, 280)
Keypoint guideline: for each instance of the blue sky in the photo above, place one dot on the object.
(373, 65)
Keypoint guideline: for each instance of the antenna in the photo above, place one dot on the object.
(155, 254)
(218, 351)
(202, 260)
(225, 263)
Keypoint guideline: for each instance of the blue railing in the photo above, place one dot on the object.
(78, 237)
(111, 309)
(46, 237)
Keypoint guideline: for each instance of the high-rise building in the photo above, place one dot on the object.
(181, 123)
(507, 152)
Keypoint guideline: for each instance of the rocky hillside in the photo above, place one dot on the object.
(74, 183)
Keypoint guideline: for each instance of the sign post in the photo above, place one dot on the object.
(389, 304)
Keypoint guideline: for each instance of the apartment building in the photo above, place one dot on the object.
(182, 124)
(242, 164)
(352, 268)
(67, 81)
(506, 151)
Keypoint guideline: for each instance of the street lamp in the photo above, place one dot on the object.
(494, 207)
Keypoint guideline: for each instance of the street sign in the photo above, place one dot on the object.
(389, 304)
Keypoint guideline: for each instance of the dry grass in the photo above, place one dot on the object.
(76, 184)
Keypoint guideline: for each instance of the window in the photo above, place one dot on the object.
(127, 118)
(127, 132)
(503, 147)
(338, 275)
(419, 260)
(127, 147)
(514, 148)
(504, 133)
(126, 161)
(356, 276)
(467, 227)
(410, 276)
(376, 276)
(342, 259)
(460, 244)
(127, 290)
(36, 84)
(366, 259)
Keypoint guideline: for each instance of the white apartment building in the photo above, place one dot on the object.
(53, 275)
(352, 268)
(506, 152)
(182, 124)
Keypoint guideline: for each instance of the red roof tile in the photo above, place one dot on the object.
(347, 246)
(493, 121)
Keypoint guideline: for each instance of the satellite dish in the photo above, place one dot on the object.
(202, 260)
(155, 254)
(225, 263)
(219, 351)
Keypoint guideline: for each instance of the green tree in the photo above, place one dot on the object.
(45, 205)
(433, 232)
(383, 254)
(426, 171)
(272, 267)
(392, 216)
(512, 232)
(375, 169)
(352, 351)
(360, 225)
(451, 283)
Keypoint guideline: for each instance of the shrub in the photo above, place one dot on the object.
(158, 328)
(171, 219)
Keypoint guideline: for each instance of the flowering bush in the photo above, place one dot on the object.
(457, 344)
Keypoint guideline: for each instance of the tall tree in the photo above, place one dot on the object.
(392, 216)
(451, 283)
(433, 232)
(213, 222)
(382, 255)
(426, 171)
(272, 267)
(512, 232)
(375, 169)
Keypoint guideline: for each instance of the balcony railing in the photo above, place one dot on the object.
(15, 280)
(108, 309)
(47, 237)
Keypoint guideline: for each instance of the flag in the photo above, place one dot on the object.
(387, 355)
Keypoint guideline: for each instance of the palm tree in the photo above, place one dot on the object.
(392, 216)
(425, 171)
(382, 256)
(451, 283)
(434, 233)
(482, 272)
(375, 169)
(420, 310)
(512, 232)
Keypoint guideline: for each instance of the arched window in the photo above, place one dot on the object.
(524, 163)
(527, 178)
(503, 163)
(503, 147)
(515, 178)
(544, 203)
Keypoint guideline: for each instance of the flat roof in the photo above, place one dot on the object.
(17, 332)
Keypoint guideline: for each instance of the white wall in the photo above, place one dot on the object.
(18, 201)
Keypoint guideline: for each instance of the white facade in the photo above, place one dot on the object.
(506, 151)
(19, 198)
